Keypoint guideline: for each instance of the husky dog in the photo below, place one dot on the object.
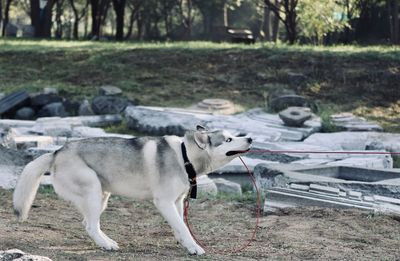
(87, 171)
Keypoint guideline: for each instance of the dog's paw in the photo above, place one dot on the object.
(111, 246)
(196, 250)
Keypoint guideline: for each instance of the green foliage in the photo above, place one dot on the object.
(318, 18)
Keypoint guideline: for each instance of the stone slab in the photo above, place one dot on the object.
(262, 127)
(350, 122)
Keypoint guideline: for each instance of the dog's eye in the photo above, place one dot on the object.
(228, 139)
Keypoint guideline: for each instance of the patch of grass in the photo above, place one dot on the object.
(396, 161)
(180, 74)
(46, 189)
(326, 121)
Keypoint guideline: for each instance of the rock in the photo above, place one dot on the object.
(40, 100)
(227, 186)
(85, 109)
(109, 104)
(258, 124)
(295, 116)
(25, 113)
(292, 100)
(2, 95)
(18, 255)
(206, 186)
(109, 90)
(71, 107)
(13, 102)
(55, 109)
(49, 90)
(8, 177)
(87, 132)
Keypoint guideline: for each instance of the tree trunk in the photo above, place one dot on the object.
(1, 17)
(266, 24)
(59, 11)
(275, 23)
(41, 19)
(393, 6)
(119, 8)
(6, 16)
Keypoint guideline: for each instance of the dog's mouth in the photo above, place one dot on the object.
(235, 152)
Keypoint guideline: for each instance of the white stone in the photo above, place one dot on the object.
(87, 132)
(324, 189)
(354, 194)
(299, 187)
(377, 162)
(206, 186)
(21, 256)
(227, 186)
(387, 199)
(16, 123)
(9, 175)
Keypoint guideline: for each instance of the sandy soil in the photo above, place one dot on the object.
(54, 229)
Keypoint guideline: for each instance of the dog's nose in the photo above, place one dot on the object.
(250, 140)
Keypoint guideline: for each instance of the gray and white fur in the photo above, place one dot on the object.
(87, 172)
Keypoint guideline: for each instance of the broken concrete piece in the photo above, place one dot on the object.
(344, 182)
(87, 132)
(350, 122)
(85, 109)
(226, 186)
(18, 255)
(206, 186)
(295, 116)
(109, 90)
(262, 127)
(109, 104)
(324, 189)
(13, 101)
(5, 124)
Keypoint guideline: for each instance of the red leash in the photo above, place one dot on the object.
(253, 234)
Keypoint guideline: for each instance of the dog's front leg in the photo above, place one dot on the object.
(168, 210)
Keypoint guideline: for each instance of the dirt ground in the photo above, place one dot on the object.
(54, 229)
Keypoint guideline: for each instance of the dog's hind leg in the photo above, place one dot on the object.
(82, 187)
(168, 210)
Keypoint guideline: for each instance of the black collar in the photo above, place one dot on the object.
(190, 171)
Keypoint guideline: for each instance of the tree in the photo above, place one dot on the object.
(133, 6)
(393, 8)
(78, 15)
(99, 10)
(286, 12)
(41, 17)
(318, 18)
(6, 15)
(187, 18)
(119, 8)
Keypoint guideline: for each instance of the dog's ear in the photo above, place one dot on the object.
(201, 139)
(201, 128)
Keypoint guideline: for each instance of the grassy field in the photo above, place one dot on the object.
(340, 78)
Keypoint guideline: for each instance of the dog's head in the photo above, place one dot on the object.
(220, 145)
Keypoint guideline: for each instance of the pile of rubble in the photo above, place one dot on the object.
(24, 106)
(293, 129)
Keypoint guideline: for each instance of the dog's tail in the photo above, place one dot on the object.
(28, 184)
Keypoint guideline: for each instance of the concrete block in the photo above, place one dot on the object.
(354, 194)
(386, 199)
(299, 187)
(227, 186)
(324, 189)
